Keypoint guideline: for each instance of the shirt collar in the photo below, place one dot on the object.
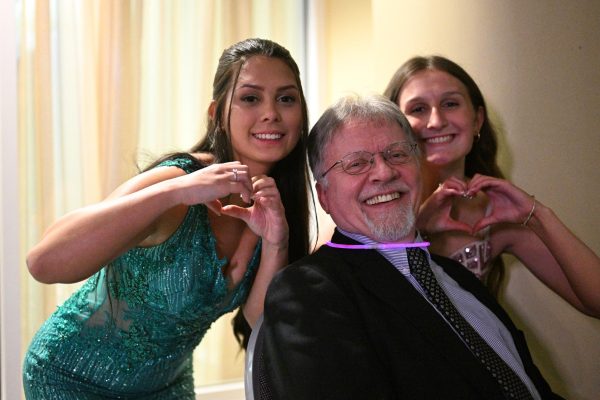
(367, 240)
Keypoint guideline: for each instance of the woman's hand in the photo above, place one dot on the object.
(214, 182)
(508, 203)
(266, 217)
(435, 212)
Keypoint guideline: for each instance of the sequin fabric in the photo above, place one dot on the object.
(129, 331)
(475, 256)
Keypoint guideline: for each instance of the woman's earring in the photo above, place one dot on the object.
(477, 137)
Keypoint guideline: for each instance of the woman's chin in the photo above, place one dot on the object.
(439, 160)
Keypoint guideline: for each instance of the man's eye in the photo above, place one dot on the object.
(356, 163)
(398, 154)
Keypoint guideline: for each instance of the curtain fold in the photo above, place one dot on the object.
(107, 86)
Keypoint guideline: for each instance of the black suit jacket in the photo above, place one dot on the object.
(345, 324)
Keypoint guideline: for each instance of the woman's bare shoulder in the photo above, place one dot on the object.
(204, 158)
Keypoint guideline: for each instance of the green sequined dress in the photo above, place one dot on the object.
(129, 331)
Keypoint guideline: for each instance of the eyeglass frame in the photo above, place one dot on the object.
(411, 151)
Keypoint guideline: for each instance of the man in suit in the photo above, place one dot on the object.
(353, 320)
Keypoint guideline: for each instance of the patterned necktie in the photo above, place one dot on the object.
(511, 384)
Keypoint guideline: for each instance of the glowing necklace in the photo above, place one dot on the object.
(377, 246)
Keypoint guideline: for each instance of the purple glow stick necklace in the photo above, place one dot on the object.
(377, 246)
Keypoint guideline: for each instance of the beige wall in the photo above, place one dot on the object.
(538, 63)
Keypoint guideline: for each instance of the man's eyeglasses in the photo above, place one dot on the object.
(360, 162)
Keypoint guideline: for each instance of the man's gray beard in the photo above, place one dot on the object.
(393, 226)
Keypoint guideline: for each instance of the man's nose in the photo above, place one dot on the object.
(381, 170)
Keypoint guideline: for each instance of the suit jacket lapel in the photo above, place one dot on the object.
(383, 280)
(471, 284)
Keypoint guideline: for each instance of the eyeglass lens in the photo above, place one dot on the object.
(361, 161)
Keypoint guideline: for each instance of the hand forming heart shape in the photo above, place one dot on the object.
(497, 199)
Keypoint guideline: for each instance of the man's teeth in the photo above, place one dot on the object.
(382, 198)
(439, 139)
(268, 136)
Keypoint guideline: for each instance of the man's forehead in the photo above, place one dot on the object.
(378, 133)
(374, 121)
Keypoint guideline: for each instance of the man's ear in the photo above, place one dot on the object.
(322, 195)
(212, 109)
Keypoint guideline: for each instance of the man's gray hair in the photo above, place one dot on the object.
(371, 108)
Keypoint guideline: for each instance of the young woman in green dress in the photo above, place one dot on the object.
(194, 236)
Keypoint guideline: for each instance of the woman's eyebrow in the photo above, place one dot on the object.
(259, 87)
